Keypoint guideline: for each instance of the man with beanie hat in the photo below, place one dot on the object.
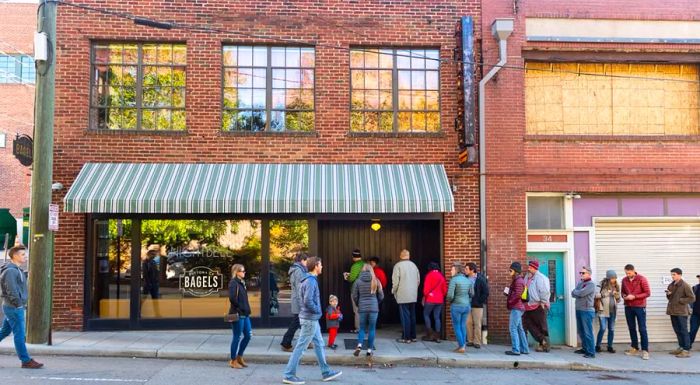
(607, 297)
(351, 277)
(537, 306)
(584, 293)
(516, 306)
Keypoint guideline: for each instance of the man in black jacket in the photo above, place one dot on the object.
(695, 316)
(481, 295)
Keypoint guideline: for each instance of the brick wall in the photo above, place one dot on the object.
(518, 163)
(16, 105)
(336, 23)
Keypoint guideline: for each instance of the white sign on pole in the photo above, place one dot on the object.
(53, 217)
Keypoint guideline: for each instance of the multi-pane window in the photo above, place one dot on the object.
(17, 69)
(395, 90)
(545, 213)
(268, 88)
(138, 86)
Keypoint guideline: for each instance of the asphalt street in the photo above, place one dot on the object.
(137, 371)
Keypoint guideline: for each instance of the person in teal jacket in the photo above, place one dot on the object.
(459, 295)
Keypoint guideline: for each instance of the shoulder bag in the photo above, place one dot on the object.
(232, 317)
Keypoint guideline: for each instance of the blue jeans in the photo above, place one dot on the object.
(434, 309)
(638, 314)
(240, 327)
(368, 324)
(459, 323)
(584, 326)
(518, 338)
(407, 312)
(310, 331)
(694, 326)
(14, 323)
(680, 327)
(606, 323)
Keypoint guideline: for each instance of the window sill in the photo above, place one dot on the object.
(611, 138)
(439, 134)
(137, 132)
(300, 134)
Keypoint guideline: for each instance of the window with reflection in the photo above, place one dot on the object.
(138, 86)
(111, 269)
(394, 90)
(268, 88)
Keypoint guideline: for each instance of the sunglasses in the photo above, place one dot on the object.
(241, 271)
(583, 272)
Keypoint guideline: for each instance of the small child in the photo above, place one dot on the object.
(333, 318)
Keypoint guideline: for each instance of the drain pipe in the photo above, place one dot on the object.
(501, 29)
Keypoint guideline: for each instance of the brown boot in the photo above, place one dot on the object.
(31, 364)
(436, 337)
(428, 335)
(235, 364)
(241, 361)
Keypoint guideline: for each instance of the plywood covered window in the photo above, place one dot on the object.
(611, 99)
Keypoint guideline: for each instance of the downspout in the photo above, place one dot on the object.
(501, 29)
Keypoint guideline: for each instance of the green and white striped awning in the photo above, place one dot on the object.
(259, 188)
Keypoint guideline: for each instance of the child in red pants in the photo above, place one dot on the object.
(333, 318)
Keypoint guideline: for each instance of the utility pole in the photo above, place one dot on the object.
(41, 239)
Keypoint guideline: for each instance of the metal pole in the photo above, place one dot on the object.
(41, 262)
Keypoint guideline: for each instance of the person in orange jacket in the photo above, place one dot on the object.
(333, 318)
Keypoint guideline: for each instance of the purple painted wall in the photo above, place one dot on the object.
(683, 207)
(642, 207)
(581, 249)
(587, 208)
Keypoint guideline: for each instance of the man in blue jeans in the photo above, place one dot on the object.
(13, 283)
(584, 293)
(309, 314)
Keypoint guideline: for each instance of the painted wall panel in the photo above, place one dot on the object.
(586, 208)
(642, 207)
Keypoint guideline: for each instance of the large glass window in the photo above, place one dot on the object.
(186, 266)
(268, 88)
(138, 86)
(112, 269)
(17, 69)
(395, 90)
(545, 213)
(287, 238)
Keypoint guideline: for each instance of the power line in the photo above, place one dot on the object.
(206, 29)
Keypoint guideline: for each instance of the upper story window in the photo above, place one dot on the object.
(611, 99)
(395, 90)
(545, 212)
(138, 86)
(17, 69)
(268, 88)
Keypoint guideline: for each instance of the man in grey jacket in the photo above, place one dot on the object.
(584, 293)
(535, 316)
(13, 283)
(296, 272)
(405, 281)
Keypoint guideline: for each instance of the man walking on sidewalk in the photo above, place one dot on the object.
(585, 312)
(296, 272)
(537, 306)
(404, 286)
(679, 295)
(13, 284)
(695, 317)
(635, 291)
(481, 295)
(309, 314)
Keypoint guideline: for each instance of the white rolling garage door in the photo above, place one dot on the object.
(654, 248)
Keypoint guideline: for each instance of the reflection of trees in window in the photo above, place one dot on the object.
(268, 88)
(138, 86)
(394, 90)
(287, 237)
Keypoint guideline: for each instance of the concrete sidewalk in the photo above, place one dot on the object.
(265, 348)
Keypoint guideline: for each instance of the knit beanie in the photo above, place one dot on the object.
(610, 274)
(515, 266)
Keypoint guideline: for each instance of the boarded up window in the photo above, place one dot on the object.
(611, 99)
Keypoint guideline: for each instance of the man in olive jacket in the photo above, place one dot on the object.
(680, 295)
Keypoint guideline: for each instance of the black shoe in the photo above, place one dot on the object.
(588, 355)
(512, 353)
(598, 349)
(333, 347)
(611, 350)
(470, 344)
(580, 351)
(369, 354)
(357, 351)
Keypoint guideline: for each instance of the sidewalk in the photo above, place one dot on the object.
(265, 348)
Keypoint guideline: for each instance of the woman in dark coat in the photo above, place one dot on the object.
(238, 297)
(367, 293)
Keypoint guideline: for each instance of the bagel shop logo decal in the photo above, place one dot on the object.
(201, 281)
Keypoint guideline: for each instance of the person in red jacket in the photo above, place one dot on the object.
(516, 306)
(378, 271)
(635, 291)
(333, 319)
(434, 291)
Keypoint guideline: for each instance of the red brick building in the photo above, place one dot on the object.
(236, 85)
(592, 133)
(16, 100)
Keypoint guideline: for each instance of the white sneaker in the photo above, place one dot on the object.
(645, 355)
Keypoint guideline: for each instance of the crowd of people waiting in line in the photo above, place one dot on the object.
(527, 298)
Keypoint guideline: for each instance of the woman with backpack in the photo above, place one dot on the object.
(434, 290)
(239, 316)
(459, 295)
(367, 293)
(606, 306)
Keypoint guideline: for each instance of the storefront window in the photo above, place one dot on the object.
(287, 238)
(112, 269)
(186, 266)
(545, 213)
